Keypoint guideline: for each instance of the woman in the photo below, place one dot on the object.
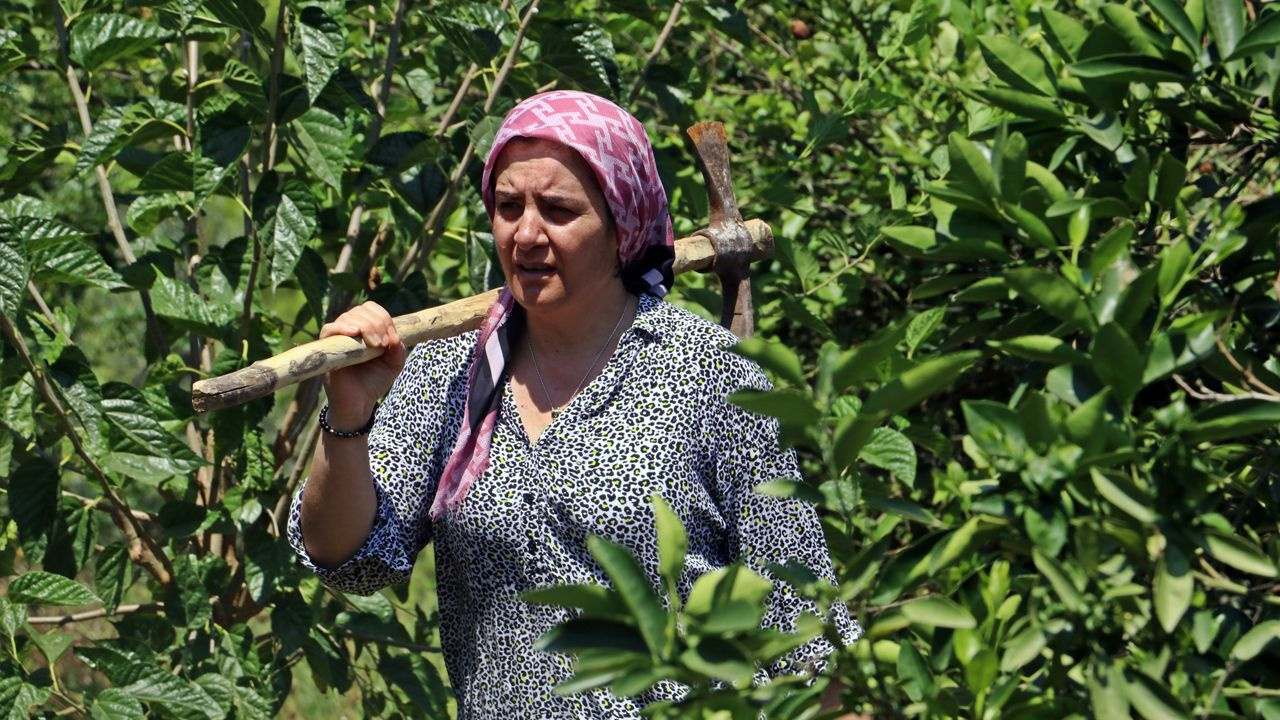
(581, 395)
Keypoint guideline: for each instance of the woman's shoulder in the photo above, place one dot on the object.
(693, 344)
(440, 359)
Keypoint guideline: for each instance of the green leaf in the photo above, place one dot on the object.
(995, 428)
(295, 222)
(673, 543)
(1058, 579)
(722, 586)
(1129, 68)
(74, 263)
(789, 406)
(1262, 36)
(470, 31)
(1108, 691)
(581, 634)
(1151, 698)
(1229, 420)
(914, 672)
(1040, 348)
(890, 450)
(1176, 18)
(1226, 24)
(19, 696)
(116, 704)
(915, 385)
(1024, 104)
(1252, 643)
(1117, 361)
(773, 356)
(98, 38)
(1239, 553)
(1031, 225)
(938, 611)
(787, 488)
(113, 573)
(42, 588)
(922, 326)
(1022, 648)
(633, 585)
(14, 272)
(323, 139)
(157, 685)
(1171, 175)
(1065, 33)
(1125, 21)
(1051, 292)
(969, 166)
(720, 660)
(323, 41)
(1172, 588)
(52, 644)
(1013, 63)
(583, 52)
(859, 364)
(593, 600)
(1124, 496)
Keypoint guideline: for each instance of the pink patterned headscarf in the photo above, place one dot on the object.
(614, 144)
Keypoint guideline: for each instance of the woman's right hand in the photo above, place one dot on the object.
(354, 391)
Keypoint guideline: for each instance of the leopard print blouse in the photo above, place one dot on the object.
(654, 421)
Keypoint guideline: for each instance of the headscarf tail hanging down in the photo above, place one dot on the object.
(614, 144)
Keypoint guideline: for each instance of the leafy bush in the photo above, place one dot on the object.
(1022, 323)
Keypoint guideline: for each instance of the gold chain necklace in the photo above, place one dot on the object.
(555, 411)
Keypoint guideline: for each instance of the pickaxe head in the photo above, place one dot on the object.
(732, 242)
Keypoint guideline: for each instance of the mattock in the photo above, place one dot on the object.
(727, 246)
(728, 233)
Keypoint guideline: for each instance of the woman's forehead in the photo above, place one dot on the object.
(545, 154)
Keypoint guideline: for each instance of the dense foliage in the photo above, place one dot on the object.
(1022, 321)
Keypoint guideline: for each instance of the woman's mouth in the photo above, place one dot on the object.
(535, 269)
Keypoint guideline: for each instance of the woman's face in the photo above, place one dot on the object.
(552, 228)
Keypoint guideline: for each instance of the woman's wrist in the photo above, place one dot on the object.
(347, 421)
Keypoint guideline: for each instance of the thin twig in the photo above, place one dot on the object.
(34, 292)
(1200, 392)
(143, 549)
(657, 48)
(463, 87)
(94, 504)
(104, 185)
(268, 164)
(94, 614)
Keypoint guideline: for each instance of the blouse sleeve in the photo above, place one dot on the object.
(765, 529)
(410, 442)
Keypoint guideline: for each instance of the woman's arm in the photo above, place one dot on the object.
(340, 504)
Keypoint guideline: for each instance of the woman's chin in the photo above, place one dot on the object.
(537, 294)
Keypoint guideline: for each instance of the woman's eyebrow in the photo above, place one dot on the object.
(549, 198)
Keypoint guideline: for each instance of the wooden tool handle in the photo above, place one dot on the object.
(338, 351)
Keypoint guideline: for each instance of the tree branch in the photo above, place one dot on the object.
(94, 614)
(143, 549)
(268, 164)
(657, 48)
(416, 258)
(104, 185)
(470, 75)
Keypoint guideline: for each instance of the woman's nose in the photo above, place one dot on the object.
(529, 228)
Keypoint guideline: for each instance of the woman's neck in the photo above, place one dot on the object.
(579, 330)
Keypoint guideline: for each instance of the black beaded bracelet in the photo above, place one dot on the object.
(325, 426)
